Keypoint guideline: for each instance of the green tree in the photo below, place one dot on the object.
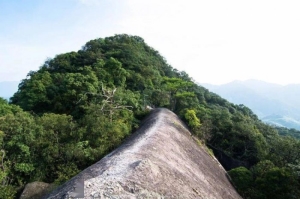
(278, 183)
(32, 95)
(193, 122)
(284, 151)
(102, 133)
(242, 179)
(117, 73)
(58, 142)
(18, 144)
(6, 189)
(178, 89)
(192, 119)
(6, 108)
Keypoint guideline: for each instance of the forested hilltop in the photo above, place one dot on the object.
(81, 105)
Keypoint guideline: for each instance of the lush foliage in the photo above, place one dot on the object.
(288, 132)
(81, 105)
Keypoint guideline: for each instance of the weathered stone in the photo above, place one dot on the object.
(161, 160)
(35, 190)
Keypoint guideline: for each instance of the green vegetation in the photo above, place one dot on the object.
(81, 105)
(288, 132)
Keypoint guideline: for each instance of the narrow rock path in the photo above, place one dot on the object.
(160, 160)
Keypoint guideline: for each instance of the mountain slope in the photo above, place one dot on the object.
(80, 106)
(274, 104)
(160, 160)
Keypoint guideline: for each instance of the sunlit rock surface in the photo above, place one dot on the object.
(161, 160)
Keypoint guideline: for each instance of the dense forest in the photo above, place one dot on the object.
(288, 132)
(81, 105)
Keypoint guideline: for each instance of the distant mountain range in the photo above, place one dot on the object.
(7, 89)
(273, 103)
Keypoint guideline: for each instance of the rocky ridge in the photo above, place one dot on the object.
(160, 160)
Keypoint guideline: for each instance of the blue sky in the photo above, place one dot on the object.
(214, 41)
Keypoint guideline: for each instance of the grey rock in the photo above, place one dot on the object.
(160, 160)
(35, 190)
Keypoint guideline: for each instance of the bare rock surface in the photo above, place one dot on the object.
(160, 160)
(35, 190)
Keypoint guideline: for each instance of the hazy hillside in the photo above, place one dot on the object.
(7, 89)
(275, 104)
